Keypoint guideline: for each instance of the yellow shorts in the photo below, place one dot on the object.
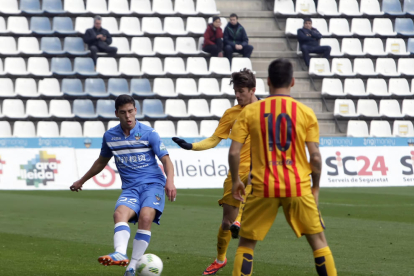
(227, 193)
(301, 213)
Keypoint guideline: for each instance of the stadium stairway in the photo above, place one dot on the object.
(270, 43)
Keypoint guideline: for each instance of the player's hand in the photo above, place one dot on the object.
(76, 186)
(99, 36)
(182, 143)
(238, 190)
(315, 192)
(170, 191)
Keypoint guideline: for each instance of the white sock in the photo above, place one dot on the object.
(219, 262)
(141, 241)
(121, 237)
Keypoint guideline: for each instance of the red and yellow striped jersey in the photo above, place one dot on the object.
(278, 128)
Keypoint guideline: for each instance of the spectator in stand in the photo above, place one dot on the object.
(235, 39)
(213, 38)
(98, 40)
(309, 39)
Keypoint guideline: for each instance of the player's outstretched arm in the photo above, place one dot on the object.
(205, 144)
(96, 168)
(170, 189)
(316, 166)
(234, 162)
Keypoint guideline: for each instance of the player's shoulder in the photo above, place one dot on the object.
(113, 133)
(303, 107)
(145, 127)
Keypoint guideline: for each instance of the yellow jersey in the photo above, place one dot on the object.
(278, 126)
(224, 129)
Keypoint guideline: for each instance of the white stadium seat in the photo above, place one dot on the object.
(24, 129)
(152, 25)
(380, 129)
(163, 7)
(207, 7)
(387, 67)
(371, 7)
(344, 108)
(93, 129)
(111, 25)
(83, 23)
(342, 67)
(112, 124)
(185, 7)
(328, 8)
(186, 86)
(406, 66)
(219, 106)
(118, 7)
(374, 47)
(10, 7)
(284, 7)
(152, 66)
(97, 6)
(174, 26)
(47, 129)
(349, 8)
(390, 108)
(14, 109)
(176, 108)
(8, 45)
(142, 46)
(71, 129)
(320, 67)
(364, 67)
(321, 25)
(332, 87)
(209, 86)
(165, 129)
(130, 26)
(197, 66)
(129, 66)
(333, 42)
(198, 108)
(383, 27)
(49, 87)
(6, 88)
(107, 66)
(186, 46)
(399, 87)
(362, 27)
(292, 26)
(29, 45)
(18, 25)
(352, 47)
(339, 26)
(141, 7)
(239, 63)
(377, 87)
(261, 88)
(357, 129)
(403, 129)
(122, 44)
(196, 25)
(407, 107)
(305, 7)
(354, 87)
(37, 109)
(187, 129)
(75, 6)
(164, 46)
(164, 87)
(207, 127)
(220, 66)
(174, 66)
(61, 109)
(396, 46)
(226, 87)
(5, 129)
(38, 66)
(367, 108)
(26, 87)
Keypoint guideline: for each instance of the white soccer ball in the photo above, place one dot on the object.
(149, 265)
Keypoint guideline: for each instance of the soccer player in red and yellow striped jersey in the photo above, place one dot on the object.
(279, 127)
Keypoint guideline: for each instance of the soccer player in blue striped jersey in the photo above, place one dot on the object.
(134, 147)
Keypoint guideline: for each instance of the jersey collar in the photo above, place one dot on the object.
(133, 131)
(279, 95)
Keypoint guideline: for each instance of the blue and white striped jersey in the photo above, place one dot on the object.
(135, 155)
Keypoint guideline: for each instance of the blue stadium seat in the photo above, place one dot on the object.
(51, 46)
(117, 87)
(141, 87)
(139, 111)
(410, 45)
(84, 109)
(41, 25)
(96, 88)
(84, 66)
(392, 7)
(404, 26)
(153, 109)
(52, 6)
(74, 46)
(105, 109)
(30, 6)
(63, 25)
(61, 66)
(72, 87)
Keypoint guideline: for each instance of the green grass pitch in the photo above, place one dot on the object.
(370, 232)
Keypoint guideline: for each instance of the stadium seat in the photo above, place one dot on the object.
(354, 87)
(110, 24)
(319, 67)
(328, 8)
(75, 6)
(63, 25)
(198, 66)
(399, 87)
(107, 66)
(5, 129)
(380, 129)
(396, 46)
(163, 7)
(361, 27)
(344, 108)
(220, 66)
(333, 42)
(176, 108)
(164, 87)
(142, 46)
(226, 87)
(209, 86)
(352, 47)
(122, 44)
(60, 109)
(174, 66)
(97, 6)
(95, 87)
(41, 25)
(186, 87)
(49, 87)
(74, 46)
(105, 109)
(8, 46)
(386, 67)
(383, 27)
(152, 108)
(13, 109)
(407, 108)
(28, 45)
(24, 129)
(292, 26)
(342, 67)
(174, 26)
(367, 108)
(165, 129)
(152, 66)
(26, 87)
(364, 67)
(339, 27)
(284, 7)
(70, 129)
(152, 26)
(320, 24)
(332, 87)
(392, 7)
(113, 123)
(38, 66)
(305, 7)
(207, 127)
(84, 109)
(18, 25)
(377, 87)
(186, 46)
(261, 90)
(10, 7)
(84, 66)
(142, 7)
(390, 109)
(404, 26)
(82, 24)
(119, 7)
(196, 25)
(53, 7)
(408, 7)
(141, 87)
(374, 47)
(187, 128)
(6, 88)
(3, 28)
(51, 46)
(129, 67)
(198, 108)
(185, 7)
(410, 45)
(349, 8)
(207, 7)
(239, 63)
(219, 106)
(37, 109)
(164, 46)
(93, 129)
(403, 129)
(47, 129)
(130, 26)
(371, 8)
(118, 87)
(357, 129)
(30, 7)
(72, 87)
(15, 66)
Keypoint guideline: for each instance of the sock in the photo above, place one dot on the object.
(141, 241)
(243, 263)
(223, 240)
(324, 262)
(121, 237)
(240, 212)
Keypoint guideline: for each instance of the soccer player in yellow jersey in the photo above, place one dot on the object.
(244, 84)
(279, 127)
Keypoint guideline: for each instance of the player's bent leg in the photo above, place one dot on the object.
(324, 262)
(243, 263)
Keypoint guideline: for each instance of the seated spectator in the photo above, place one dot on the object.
(235, 39)
(98, 40)
(213, 38)
(309, 39)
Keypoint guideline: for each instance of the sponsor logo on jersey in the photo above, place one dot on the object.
(158, 197)
(41, 169)
(115, 138)
(156, 203)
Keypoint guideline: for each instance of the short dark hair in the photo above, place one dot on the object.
(244, 78)
(281, 73)
(306, 20)
(123, 99)
(234, 15)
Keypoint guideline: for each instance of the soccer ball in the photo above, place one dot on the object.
(149, 265)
